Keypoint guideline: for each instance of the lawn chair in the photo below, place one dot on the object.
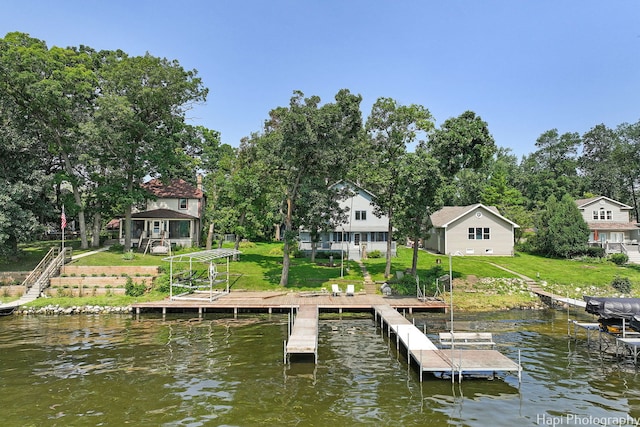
(335, 290)
(350, 291)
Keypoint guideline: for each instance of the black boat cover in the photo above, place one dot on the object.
(609, 308)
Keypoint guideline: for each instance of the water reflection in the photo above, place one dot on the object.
(113, 370)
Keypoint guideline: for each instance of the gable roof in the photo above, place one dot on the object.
(583, 203)
(449, 214)
(353, 186)
(177, 188)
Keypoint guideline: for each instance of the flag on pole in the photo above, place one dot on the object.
(63, 219)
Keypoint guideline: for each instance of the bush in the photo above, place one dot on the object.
(619, 259)
(117, 247)
(247, 244)
(595, 252)
(404, 286)
(621, 284)
(134, 289)
(162, 283)
(374, 254)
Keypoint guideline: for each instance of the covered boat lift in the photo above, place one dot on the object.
(201, 280)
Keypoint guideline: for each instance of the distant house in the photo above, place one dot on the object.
(471, 230)
(173, 212)
(609, 222)
(362, 231)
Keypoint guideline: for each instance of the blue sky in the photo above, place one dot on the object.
(524, 66)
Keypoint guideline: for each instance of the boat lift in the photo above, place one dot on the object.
(201, 280)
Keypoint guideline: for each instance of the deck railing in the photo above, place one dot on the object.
(48, 267)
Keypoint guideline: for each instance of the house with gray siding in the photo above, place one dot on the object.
(610, 223)
(471, 230)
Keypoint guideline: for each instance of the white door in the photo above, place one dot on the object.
(155, 229)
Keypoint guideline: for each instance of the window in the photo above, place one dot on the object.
(361, 215)
(182, 204)
(380, 236)
(609, 215)
(602, 214)
(595, 215)
(479, 233)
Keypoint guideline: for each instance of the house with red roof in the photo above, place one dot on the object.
(172, 213)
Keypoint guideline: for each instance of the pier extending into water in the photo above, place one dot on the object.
(303, 337)
(429, 358)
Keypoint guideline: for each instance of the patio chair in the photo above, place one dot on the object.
(335, 290)
(350, 291)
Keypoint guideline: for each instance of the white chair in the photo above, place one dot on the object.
(350, 291)
(335, 290)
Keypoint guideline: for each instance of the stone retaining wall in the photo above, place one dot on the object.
(96, 281)
(129, 270)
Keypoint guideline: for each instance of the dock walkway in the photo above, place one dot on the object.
(432, 359)
(304, 334)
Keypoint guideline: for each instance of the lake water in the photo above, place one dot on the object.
(220, 371)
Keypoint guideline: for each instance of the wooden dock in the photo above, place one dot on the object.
(304, 334)
(430, 358)
(283, 301)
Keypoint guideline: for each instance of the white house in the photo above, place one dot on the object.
(362, 231)
(471, 230)
(172, 212)
(609, 222)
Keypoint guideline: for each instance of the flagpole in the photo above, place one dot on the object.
(63, 225)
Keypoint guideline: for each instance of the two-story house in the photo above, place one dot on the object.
(362, 231)
(471, 230)
(172, 213)
(609, 222)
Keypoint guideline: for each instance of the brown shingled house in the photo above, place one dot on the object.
(173, 213)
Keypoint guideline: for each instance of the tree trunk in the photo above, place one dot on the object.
(97, 225)
(414, 261)
(387, 268)
(84, 244)
(286, 261)
(210, 237)
(127, 217)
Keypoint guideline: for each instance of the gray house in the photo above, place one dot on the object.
(609, 222)
(471, 230)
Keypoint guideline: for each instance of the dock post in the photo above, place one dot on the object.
(199, 312)
(235, 312)
(410, 310)
(164, 313)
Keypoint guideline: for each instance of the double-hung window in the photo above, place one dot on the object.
(479, 233)
(361, 215)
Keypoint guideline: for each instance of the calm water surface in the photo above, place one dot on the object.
(115, 370)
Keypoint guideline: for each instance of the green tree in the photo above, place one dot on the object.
(598, 164)
(141, 113)
(420, 181)
(304, 144)
(627, 157)
(562, 232)
(391, 127)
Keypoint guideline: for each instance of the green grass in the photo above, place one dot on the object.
(260, 267)
(574, 278)
(32, 253)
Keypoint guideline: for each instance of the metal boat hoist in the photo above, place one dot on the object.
(196, 275)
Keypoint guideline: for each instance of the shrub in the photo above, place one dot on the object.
(621, 284)
(134, 289)
(404, 286)
(619, 258)
(128, 256)
(247, 244)
(595, 251)
(374, 254)
(162, 284)
(117, 247)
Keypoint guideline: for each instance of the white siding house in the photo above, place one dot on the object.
(471, 230)
(172, 212)
(362, 231)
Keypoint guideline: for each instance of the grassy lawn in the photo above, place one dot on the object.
(32, 254)
(480, 284)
